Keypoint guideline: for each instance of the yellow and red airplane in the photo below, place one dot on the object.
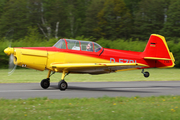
(76, 56)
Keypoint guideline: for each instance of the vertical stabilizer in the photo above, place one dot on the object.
(157, 50)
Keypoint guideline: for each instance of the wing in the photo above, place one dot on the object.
(95, 68)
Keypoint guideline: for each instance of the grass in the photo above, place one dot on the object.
(105, 108)
(33, 76)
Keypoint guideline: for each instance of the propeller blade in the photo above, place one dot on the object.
(11, 63)
(12, 66)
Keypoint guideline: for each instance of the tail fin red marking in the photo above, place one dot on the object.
(157, 51)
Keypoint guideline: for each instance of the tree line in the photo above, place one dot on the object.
(95, 19)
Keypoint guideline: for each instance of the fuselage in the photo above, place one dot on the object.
(75, 51)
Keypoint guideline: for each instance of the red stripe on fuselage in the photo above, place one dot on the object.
(54, 49)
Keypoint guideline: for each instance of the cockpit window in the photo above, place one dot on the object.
(97, 47)
(60, 44)
(78, 45)
(87, 46)
(73, 44)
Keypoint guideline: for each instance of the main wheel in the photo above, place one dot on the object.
(45, 83)
(146, 74)
(62, 85)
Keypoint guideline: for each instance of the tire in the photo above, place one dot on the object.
(45, 83)
(62, 85)
(146, 74)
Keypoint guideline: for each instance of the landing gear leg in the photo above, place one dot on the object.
(63, 84)
(146, 74)
(45, 83)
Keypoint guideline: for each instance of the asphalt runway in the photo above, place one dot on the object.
(90, 89)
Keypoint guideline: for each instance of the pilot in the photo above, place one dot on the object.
(89, 47)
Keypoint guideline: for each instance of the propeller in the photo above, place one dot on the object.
(10, 51)
(12, 66)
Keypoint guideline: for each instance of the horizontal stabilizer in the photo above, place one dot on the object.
(155, 58)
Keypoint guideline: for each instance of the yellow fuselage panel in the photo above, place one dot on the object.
(76, 58)
(34, 59)
(54, 57)
(62, 57)
(40, 53)
(35, 62)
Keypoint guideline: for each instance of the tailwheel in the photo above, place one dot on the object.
(146, 74)
(62, 85)
(45, 83)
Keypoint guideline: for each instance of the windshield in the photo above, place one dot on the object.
(60, 44)
(97, 47)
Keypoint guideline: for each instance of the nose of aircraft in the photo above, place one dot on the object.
(9, 51)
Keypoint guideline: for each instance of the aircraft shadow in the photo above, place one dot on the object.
(165, 86)
(102, 89)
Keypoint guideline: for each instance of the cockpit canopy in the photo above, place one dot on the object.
(78, 45)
